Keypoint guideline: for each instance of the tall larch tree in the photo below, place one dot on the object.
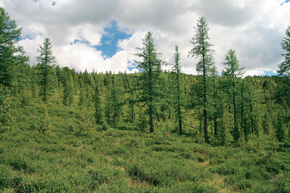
(151, 67)
(177, 87)
(202, 50)
(231, 73)
(216, 102)
(10, 53)
(46, 61)
(284, 67)
(284, 70)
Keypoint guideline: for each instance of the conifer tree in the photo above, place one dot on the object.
(243, 111)
(177, 87)
(232, 72)
(284, 70)
(279, 127)
(132, 87)
(115, 100)
(202, 50)
(216, 100)
(24, 84)
(108, 103)
(284, 67)
(151, 67)
(82, 93)
(46, 61)
(84, 124)
(10, 53)
(68, 91)
(98, 107)
(82, 97)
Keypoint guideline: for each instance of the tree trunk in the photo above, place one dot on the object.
(179, 105)
(236, 129)
(206, 139)
(132, 106)
(179, 116)
(150, 102)
(252, 120)
(215, 106)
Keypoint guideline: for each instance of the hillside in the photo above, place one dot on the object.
(124, 159)
(63, 130)
(54, 147)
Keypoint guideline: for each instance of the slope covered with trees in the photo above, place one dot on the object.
(152, 131)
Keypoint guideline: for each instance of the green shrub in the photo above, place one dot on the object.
(282, 182)
(44, 184)
(18, 162)
(101, 175)
(164, 173)
(271, 164)
(224, 169)
(6, 176)
(189, 186)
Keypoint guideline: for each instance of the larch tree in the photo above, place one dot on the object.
(232, 72)
(284, 67)
(284, 70)
(177, 87)
(10, 53)
(132, 87)
(68, 97)
(202, 50)
(216, 100)
(98, 103)
(115, 100)
(46, 61)
(151, 68)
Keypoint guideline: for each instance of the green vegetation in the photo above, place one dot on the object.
(123, 159)
(152, 131)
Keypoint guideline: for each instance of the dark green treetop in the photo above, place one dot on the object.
(284, 67)
(10, 53)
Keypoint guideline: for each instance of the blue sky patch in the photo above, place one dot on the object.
(287, 1)
(26, 37)
(133, 66)
(109, 40)
(79, 41)
(270, 73)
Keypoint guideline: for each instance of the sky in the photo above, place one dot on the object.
(102, 35)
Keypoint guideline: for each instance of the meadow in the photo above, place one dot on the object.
(125, 159)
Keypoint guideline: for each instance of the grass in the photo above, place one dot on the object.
(123, 159)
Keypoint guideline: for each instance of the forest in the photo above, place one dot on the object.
(151, 131)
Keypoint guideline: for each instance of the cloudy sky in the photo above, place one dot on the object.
(102, 35)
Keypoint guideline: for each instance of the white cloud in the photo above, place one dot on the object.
(254, 28)
(30, 46)
(254, 73)
(81, 56)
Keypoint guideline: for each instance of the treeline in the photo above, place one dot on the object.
(221, 109)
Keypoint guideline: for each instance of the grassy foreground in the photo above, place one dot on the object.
(124, 159)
